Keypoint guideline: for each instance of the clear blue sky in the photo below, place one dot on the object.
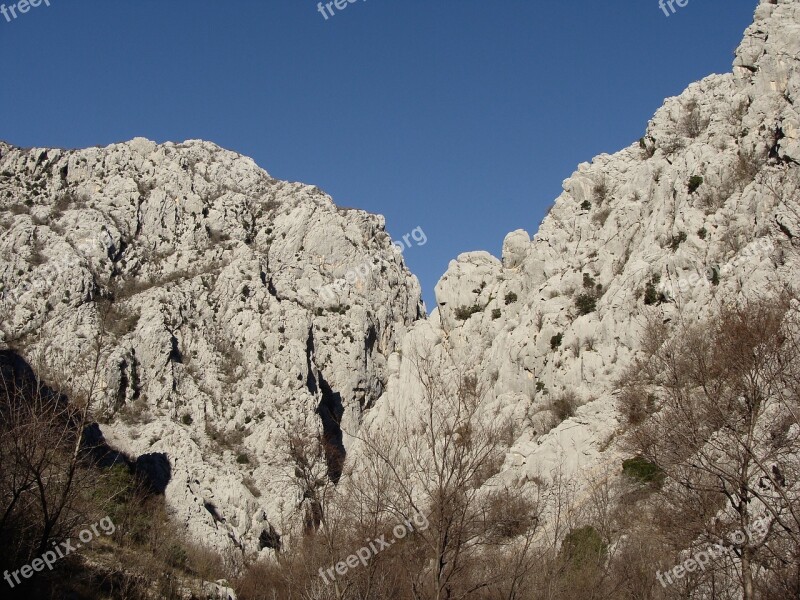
(459, 116)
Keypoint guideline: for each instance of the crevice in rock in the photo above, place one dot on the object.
(271, 289)
(775, 148)
(175, 352)
(330, 410)
(311, 381)
(372, 337)
(124, 383)
(269, 538)
(213, 511)
(134, 381)
(785, 230)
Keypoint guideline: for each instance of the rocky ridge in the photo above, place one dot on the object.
(221, 345)
(204, 276)
(703, 209)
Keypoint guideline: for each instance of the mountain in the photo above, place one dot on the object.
(238, 313)
(702, 210)
(226, 306)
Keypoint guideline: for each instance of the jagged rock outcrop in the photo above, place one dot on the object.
(704, 208)
(206, 282)
(223, 333)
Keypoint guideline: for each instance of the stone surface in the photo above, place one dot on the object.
(218, 324)
(621, 221)
(219, 336)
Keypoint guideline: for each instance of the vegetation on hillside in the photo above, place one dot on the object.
(713, 441)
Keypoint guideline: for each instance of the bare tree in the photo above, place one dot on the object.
(726, 430)
(691, 123)
(42, 451)
(39, 467)
(436, 457)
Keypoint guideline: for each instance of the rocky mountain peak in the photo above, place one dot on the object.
(239, 313)
(211, 286)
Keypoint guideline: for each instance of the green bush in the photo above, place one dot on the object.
(584, 546)
(677, 240)
(586, 205)
(702, 233)
(496, 313)
(243, 459)
(651, 293)
(177, 556)
(555, 341)
(115, 486)
(695, 181)
(564, 406)
(642, 470)
(511, 297)
(465, 312)
(586, 303)
(187, 419)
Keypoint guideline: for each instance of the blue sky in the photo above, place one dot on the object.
(462, 117)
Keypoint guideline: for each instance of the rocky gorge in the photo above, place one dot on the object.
(206, 284)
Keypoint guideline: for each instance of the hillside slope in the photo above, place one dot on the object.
(209, 284)
(702, 210)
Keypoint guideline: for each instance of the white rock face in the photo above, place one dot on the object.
(219, 327)
(623, 221)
